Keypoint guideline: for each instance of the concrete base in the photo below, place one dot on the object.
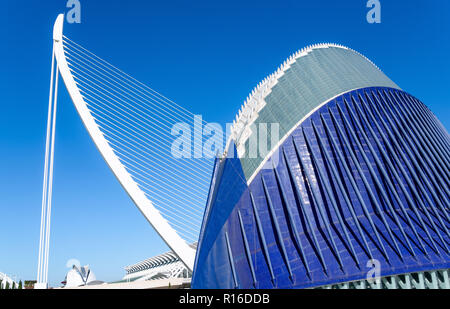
(40, 286)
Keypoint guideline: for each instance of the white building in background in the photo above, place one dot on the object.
(164, 266)
(162, 271)
(80, 276)
(5, 279)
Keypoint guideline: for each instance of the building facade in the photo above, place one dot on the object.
(356, 185)
(163, 266)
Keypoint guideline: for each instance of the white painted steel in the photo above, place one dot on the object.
(50, 179)
(162, 227)
(44, 236)
(45, 181)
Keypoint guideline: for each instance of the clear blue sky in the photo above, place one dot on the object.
(206, 56)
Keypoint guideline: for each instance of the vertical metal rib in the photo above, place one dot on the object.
(425, 155)
(397, 177)
(414, 190)
(425, 134)
(369, 166)
(277, 227)
(322, 178)
(291, 220)
(302, 213)
(247, 250)
(411, 186)
(381, 167)
(230, 257)
(337, 177)
(420, 158)
(431, 122)
(353, 182)
(317, 200)
(262, 237)
(388, 179)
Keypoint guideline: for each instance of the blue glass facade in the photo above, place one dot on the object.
(365, 176)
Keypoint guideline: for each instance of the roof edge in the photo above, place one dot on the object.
(254, 101)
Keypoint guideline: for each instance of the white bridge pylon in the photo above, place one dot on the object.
(160, 224)
(179, 245)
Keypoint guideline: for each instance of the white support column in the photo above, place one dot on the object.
(44, 238)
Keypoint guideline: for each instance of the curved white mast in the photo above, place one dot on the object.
(162, 227)
(44, 236)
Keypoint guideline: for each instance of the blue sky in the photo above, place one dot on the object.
(204, 55)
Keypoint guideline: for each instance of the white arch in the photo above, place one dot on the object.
(162, 227)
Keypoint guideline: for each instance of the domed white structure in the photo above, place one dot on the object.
(79, 276)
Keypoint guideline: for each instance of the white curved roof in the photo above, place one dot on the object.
(308, 78)
(156, 261)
